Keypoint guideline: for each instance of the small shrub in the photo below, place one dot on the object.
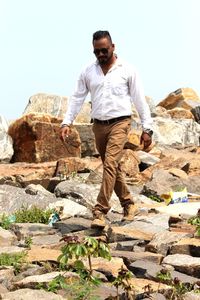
(14, 259)
(33, 215)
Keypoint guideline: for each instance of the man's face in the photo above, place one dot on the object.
(103, 50)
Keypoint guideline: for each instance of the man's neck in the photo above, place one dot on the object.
(106, 67)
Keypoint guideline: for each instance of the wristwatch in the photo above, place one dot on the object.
(64, 125)
(148, 131)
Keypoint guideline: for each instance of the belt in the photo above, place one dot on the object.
(110, 121)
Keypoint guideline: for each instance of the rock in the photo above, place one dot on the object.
(28, 294)
(130, 256)
(11, 249)
(116, 233)
(149, 270)
(88, 147)
(23, 230)
(191, 296)
(70, 208)
(162, 242)
(129, 163)
(36, 139)
(33, 281)
(47, 241)
(47, 104)
(6, 143)
(196, 113)
(184, 263)
(72, 225)
(183, 97)
(187, 246)
(6, 277)
(14, 198)
(141, 285)
(180, 113)
(188, 209)
(109, 268)
(7, 238)
(34, 189)
(176, 132)
(38, 253)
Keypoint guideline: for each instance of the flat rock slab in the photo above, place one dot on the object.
(28, 294)
(175, 210)
(162, 241)
(42, 254)
(187, 246)
(184, 263)
(140, 285)
(129, 256)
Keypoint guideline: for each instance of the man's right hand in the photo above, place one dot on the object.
(64, 132)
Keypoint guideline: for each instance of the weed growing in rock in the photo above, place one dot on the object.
(26, 215)
(28, 241)
(33, 215)
(5, 222)
(88, 247)
(77, 290)
(123, 281)
(14, 259)
(178, 288)
(196, 221)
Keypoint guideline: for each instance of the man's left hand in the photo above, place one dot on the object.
(145, 140)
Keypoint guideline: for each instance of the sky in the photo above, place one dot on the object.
(46, 43)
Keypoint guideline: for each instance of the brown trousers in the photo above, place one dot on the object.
(110, 140)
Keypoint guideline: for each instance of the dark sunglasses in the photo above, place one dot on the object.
(101, 50)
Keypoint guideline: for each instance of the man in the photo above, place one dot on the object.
(114, 86)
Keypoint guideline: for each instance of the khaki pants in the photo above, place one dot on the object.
(110, 140)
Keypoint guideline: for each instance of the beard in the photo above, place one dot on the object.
(105, 59)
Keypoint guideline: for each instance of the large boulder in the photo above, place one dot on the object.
(47, 104)
(184, 97)
(175, 132)
(6, 145)
(56, 106)
(36, 139)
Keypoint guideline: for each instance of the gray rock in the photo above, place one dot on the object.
(184, 263)
(72, 225)
(162, 241)
(176, 132)
(6, 143)
(13, 198)
(45, 103)
(191, 296)
(23, 230)
(28, 294)
(7, 238)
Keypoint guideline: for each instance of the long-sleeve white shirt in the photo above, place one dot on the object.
(112, 95)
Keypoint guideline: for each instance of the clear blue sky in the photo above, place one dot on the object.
(46, 43)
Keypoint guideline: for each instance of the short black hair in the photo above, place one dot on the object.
(101, 34)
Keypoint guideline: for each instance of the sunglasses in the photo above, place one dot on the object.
(101, 50)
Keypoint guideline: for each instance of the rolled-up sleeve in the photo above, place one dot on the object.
(76, 100)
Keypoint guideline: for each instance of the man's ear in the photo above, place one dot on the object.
(113, 45)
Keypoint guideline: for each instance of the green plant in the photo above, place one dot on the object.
(5, 221)
(33, 215)
(123, 281)
(196, 221)
(77, 290)
(28, 242)
(15, 259)
(88, 247)
(178, 288)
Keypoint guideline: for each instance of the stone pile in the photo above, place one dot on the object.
(48, 174)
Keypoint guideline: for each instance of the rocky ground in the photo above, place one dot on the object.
(156, 256)
(158, 237)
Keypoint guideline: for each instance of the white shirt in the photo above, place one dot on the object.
(112, 95)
